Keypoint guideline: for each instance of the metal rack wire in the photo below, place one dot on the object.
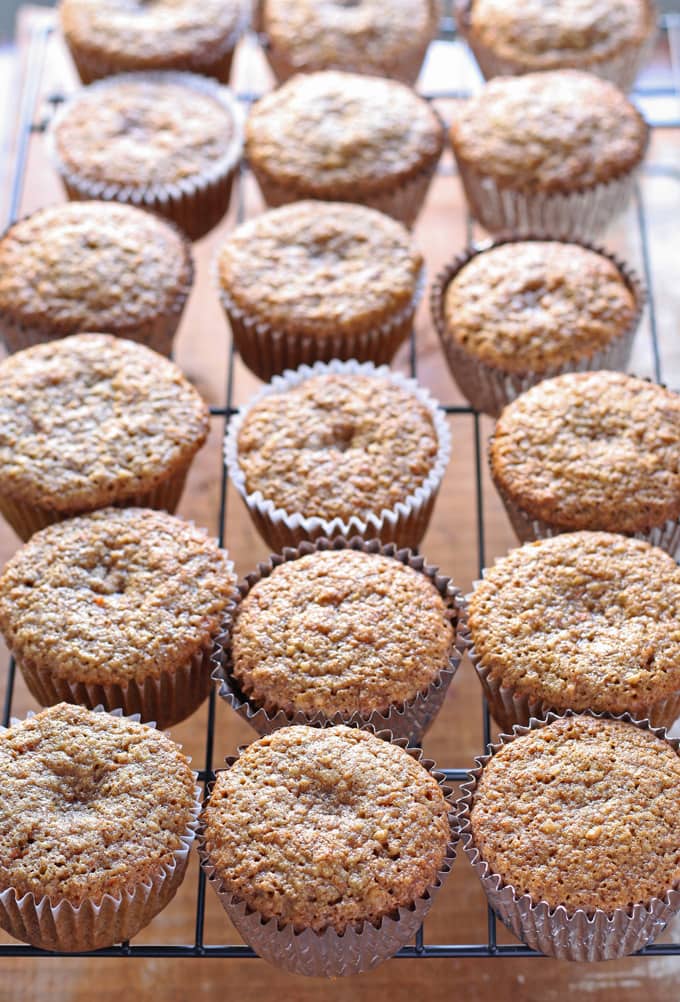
(28, 124)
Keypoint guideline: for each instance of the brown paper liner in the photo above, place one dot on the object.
(409, 719)
(489, 388)
(574, 935)
(93, 925)
(329, 954)
(406, 69)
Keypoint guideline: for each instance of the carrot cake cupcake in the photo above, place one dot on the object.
(97, 819)
(548, 153)
(512, 313)
(347, 138)
(89, 421)
(325, 846)
(315, 281)
(168, 142)
(573, 828)
(90, 266)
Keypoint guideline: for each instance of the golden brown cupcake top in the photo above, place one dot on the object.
(119, 594)
(92, 266)
(585, 620)
(320, 267)
(145, 130)
(92, 419)
(591, 450)
(340, 631)
(529, 305)
(342, 135)
(583, 813)
(92, 804)
(326, 827)
(550, 34)
(553, 131)
(337, 445)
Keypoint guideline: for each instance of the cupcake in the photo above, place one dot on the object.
(315, 281)
(89, 421)
(98, 817)
(611, 38)
(117, 608)
(364, 36)
(168, 142)
(114, 36)
(552, 153)
(582, 621)
(591, 450)
(343, 137)
(514, 312)
(573, 827)
(339, 450)
(88, 266)
(343, 632)
(325, 846)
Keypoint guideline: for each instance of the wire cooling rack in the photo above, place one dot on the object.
(661, 104)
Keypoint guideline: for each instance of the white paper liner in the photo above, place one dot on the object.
(407, 719)
(329, 954)
(93, 925)
(405, 524)
(489, 388)
(568, 935)
(197, 203)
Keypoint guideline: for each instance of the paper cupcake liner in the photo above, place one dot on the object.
(408, 719)
(93, 925)
(268, 352)
(329, 954)
(405, 524)
(196, 204)
(489, 388)
(575, 935)
(406, 69)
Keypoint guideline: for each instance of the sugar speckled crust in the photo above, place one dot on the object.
(562, 130)
(530, 305)
(337, 446)
(340, 631)
(319, 268)
(122, 593)
(342, 135)
(583, 813)
(592, 450)
(92, 804)
(326, 827)
(586, 620)
(93, 419)
(85, 266)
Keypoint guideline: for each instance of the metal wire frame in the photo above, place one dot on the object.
(27, 125)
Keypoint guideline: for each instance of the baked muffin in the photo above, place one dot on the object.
(591, 450)
(512, 313)
(344, 137)
(168, 142)
(582, 621)
(550, 153)
(573, 828)
(356, 632)
(611, 38)
(366, 36)
(118, 608)
(315, 281)
(97, 819)
(339, 450)
(333, 840)
(87, 266)
(89, 421)
(112, 36)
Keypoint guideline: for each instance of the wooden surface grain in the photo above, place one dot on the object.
(459, 914)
